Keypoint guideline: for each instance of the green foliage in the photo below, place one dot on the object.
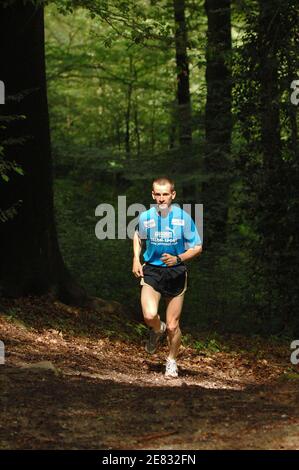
(121, 100)
(140, 329)
(206, 344)
(112, 93)
(293, 376)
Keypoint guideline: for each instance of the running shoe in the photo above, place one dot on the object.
(171, 371)
(154, 338)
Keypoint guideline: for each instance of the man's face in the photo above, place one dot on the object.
(163, 195)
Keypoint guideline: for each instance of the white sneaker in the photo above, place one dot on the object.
(154, 338)
(171, 371)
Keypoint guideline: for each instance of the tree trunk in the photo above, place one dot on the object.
(137, 130)
(173, 125)
(183, 108)
(218, 120)
(183, 88)
(273, 199)
(31, 262)
(271, 194)
(128, 111)
(268, 77)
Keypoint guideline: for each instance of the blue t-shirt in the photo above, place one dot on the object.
(173, 234)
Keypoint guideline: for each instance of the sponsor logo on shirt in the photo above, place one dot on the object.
(178, 222)
(149, 223)
(166, 238)
(163, 234)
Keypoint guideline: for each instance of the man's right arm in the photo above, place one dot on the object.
(137, 266)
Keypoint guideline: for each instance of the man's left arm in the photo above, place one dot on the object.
(191, 253)
(171, 260)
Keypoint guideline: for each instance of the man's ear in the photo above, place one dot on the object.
(173, 195)
(153, 195)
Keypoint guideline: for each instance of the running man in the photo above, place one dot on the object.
(171, 240)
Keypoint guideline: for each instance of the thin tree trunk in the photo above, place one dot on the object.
(153, 111)
(137, 130)
(272, 197)
(173, 125)
(153, 119)
(136, 118)
(218, 120)
(128, 112)
(183, 106)
(31, 262)
(118, 134)
(182, 64)
(270, 96)
(292, 111)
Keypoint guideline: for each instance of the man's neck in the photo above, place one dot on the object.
(164, 212)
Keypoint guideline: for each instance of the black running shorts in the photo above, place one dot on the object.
(169, 281)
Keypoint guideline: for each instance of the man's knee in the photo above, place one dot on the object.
(172, 328)
(149, 315)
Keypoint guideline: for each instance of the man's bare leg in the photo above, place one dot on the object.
(173, 313)
(150, 304)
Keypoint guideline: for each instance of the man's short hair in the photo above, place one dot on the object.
(164, 180)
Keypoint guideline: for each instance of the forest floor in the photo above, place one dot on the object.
(78, 378)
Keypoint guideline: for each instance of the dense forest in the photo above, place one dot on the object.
(199, 91)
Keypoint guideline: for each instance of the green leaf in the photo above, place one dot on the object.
(19, 170)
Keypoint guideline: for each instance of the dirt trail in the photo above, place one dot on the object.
(109, 394)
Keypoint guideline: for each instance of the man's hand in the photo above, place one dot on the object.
(168, 259)
(137, 268)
